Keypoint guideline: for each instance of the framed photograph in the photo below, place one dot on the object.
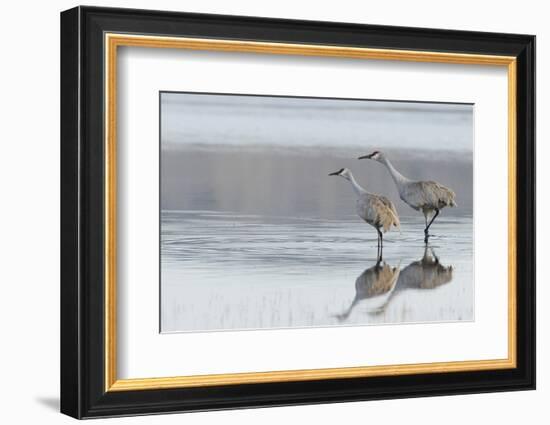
(261, 212)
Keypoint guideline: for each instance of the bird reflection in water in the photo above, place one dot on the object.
(379, 284)
(427, 273)
(373, 289)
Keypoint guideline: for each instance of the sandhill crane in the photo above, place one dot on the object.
(426, 196)
(376, 210)
(373, 289)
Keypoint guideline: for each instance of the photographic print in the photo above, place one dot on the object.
(290, 212)
(342, 190)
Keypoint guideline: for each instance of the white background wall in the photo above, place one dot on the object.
(29, 211)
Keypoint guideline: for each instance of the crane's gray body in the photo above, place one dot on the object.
(376, 210)
(426, 196)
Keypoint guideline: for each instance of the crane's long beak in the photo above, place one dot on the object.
(369, 156)
(336, 173)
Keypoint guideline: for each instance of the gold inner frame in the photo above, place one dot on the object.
(113, 41)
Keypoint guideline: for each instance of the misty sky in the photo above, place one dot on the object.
(272, 155)
(201, 119)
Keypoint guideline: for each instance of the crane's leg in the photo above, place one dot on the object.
(425, 226)
(426, 234)
(381, 239)
(377, 245)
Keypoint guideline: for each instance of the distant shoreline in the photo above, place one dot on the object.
(349, 151)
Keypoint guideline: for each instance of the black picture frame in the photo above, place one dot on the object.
(83, 392)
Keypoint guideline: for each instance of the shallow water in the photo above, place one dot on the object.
(228, 271)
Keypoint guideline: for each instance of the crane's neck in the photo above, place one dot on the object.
(356, 186)
(397, 177)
